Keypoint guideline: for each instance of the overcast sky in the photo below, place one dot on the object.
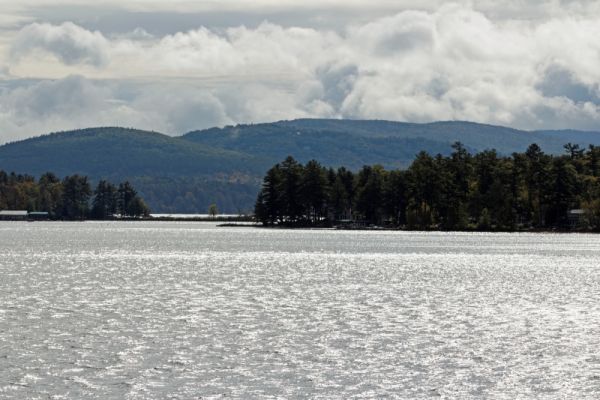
(182, 65)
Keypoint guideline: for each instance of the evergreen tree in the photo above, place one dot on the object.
(424, 192)
(573, 150)
(313, 190)
(125, 195)
(537, 181)
(369, 200)
(138, 208)
(457, 172)
(128, 203)
(345, 193)
(395, 196)
(51, 192)
(290, 191)
(461, 191)
(593, 157)
(104, 204)
(562, 198)
(76, 196)
(268, 209)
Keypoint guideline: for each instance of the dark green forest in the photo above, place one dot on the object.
(225, 166)
(71, 198)
(461, 191)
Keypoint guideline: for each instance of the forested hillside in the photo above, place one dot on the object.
(225, 165)
(173, 175)
(334, 148)
(116, 151)
(392, 144)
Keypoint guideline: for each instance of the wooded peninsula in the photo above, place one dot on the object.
(71, 198)
(462, 191)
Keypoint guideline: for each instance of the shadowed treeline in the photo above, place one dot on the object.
(484, 191)
(71, 198)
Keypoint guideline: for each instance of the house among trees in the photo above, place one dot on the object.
(67, 199)
(22, 215)
(38, 216)
(577, 218)
(13, 215)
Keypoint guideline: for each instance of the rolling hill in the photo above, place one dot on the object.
(170, 173)
(225, 165)
(112, 152)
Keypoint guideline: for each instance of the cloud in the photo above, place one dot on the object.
(36, 107)
(29, 108)
(177, 109)
(70, 43)
(558, 82)
(409, 30)
(440, 62)
(4, 72)
(505, 9)
(337, 83)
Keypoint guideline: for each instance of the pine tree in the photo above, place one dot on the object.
(104, 204)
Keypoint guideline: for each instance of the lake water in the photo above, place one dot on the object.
(188, 310)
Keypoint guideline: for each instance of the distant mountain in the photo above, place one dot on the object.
(170, 173)
(393, 144)
(330, 147)
(117, 151)
(226, 165)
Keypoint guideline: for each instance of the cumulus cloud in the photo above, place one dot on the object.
(36, 107)
(70, 43)
(442, 62)
(29, 108)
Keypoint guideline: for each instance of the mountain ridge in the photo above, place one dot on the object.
(474, 135)
(225, 165)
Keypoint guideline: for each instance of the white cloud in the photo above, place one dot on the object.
(439, 62)
(70, 43)
(31, 108)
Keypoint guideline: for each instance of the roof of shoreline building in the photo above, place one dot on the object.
(13, 213)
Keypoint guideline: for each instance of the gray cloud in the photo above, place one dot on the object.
(410, 30)
(73, 95)
(4, 72)
(440, 62)
(33, 107)
(69, 42)
(559, 82)
(337, 82)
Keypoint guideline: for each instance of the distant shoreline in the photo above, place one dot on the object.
(248, 222)
(401, 229)
(217, 218)
(142, 219)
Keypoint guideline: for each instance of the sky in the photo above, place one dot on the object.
(183, 65)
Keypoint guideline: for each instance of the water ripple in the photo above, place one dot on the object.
(187, 311)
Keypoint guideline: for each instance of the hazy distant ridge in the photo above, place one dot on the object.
(393, 143)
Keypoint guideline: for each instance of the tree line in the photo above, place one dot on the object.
(462, 191)
(70, 198)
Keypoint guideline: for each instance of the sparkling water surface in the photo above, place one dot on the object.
(127, 310)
